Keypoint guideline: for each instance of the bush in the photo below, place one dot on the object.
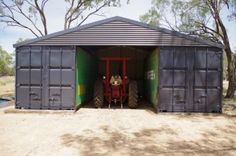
(6, 64)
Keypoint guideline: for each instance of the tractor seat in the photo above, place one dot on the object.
(116, 80)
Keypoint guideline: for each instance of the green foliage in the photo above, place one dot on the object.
(6, 66)
(188, 16)
(151, 17)
(200, 18)
(154, 15)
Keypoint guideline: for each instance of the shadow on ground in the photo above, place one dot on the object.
(164, 140)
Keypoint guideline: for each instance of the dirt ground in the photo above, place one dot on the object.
(104, 132)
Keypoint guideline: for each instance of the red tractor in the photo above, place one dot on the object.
(115, 88)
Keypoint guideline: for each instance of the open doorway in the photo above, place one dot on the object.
(141, 67)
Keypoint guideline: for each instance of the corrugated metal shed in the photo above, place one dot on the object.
(186, 77)
(118, 31)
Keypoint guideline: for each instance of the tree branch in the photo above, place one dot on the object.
(42, 15)
(13, 21)
(33, 23)
(91, 13)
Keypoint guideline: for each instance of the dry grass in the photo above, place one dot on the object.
(7, 86)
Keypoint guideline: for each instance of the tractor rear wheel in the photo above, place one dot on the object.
(98, 98)
(133, 94)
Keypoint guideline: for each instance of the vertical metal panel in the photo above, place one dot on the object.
(179, 80)
(35, 76)
(190, 79)
(199, 100)
(29, 77)
(54, 76)
(24, 57)
(214, 87)
(207, 80)
(45, 77)
(35, 97)
(54, 97)
(173, 79)
(61, 78)
(67, 77)
(67, 97)
(45, 104)
(166, 79)
(22, 75)
(22, 100)
(200, 80)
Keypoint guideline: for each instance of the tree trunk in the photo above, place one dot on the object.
(231, 76)
(231, 61)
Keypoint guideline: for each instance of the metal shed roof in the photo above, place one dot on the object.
(118, 31)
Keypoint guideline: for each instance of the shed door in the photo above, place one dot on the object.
(45, 77)
(59, 78)
(190, 80)
(173, 80)
(29, 77)
(207, 85)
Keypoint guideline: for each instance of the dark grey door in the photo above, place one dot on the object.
(59, 78)
(29, 77)
(190, 80)
(45, 77)
(207, 84)
(173, 80)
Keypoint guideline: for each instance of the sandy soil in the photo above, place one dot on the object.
(104, 132)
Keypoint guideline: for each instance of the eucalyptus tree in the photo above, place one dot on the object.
(32, 15)
(201, 18)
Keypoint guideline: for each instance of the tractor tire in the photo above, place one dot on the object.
(133, 94)
(98, 98)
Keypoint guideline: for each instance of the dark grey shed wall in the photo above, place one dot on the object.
(190, 79)
(45, 77)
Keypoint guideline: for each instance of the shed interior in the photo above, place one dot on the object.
(142, 67)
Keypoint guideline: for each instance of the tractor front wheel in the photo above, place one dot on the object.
(133, 94)
(98, 98)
